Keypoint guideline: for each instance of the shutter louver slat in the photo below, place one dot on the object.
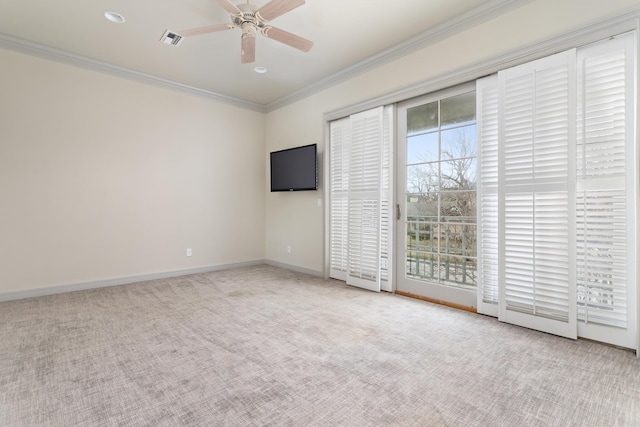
(601, 127)
(339, 219)
(364, 199)
(552, 255)
(543, 260)
(536, 137)
(518, 246)
(361, 197)
(487, 113)
(551, 134)
(601, 265)
(386, 201)
(604, 260)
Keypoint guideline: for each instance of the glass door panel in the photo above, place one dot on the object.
(437, 256)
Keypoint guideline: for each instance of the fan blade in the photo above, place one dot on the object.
(205, 30)
(287, 38)
(275, 8)
(229, 7)
(248, 48)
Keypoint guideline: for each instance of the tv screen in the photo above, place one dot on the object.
(295, 169)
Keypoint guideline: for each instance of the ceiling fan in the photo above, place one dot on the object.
(250, 20)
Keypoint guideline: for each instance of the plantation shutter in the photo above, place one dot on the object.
(364, 203)
(361, 199)
(386, 200)
(605, 193)
(538, 134)
(340, 136)
(567, 193)
(488, 167)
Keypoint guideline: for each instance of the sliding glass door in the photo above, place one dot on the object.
(437, 233)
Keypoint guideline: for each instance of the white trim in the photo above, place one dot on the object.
(472, 18)
(618, 24)
(52, 290)
(636, 178)
(295, 268)
(487, 188)
(389, 139)
(447, 29)
(394, 201)
(587, 183)
(52, 54)
(526, 188)
(622, 22)
(432, 290)
(326, 194)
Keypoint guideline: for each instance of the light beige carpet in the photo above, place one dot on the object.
(266, 346)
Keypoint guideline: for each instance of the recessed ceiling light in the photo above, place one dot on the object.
(260, 70)
(114, 17)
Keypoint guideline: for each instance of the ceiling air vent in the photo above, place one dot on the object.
(172, 38)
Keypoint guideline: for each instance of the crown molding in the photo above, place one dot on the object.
(460, 23)
(486, 12)
(625, 21)
(50, 53)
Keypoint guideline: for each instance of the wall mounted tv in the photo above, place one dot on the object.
(295, 169)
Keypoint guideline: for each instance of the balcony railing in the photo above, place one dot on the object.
(442, 251)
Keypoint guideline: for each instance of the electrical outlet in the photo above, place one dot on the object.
(288, 248)
(189, 252)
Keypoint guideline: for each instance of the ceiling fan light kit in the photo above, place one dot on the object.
(250, 20)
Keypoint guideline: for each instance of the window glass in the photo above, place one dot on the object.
(423, 179)
(459, 142)
(459, 174)
(458, 109)
(422, 118)
(422, 148)
(441, 192)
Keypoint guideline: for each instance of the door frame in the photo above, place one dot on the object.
(448, 295)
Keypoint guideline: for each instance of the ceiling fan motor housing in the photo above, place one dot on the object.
(248, 18)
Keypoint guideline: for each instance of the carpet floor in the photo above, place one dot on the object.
(266, 346)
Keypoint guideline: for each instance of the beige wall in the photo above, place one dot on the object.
(102, 177)
(295, 217)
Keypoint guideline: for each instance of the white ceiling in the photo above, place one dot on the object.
(346, 33)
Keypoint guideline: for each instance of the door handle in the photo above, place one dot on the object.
(398, 213)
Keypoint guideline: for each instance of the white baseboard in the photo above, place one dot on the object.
(294, 268)
(52, 290)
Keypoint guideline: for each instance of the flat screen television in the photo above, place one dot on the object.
(295, 169)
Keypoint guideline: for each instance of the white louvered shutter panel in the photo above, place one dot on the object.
(386, 201)
(605, 193)
(538, 139)
(487, 97)
(364, 199)
(340, 136)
